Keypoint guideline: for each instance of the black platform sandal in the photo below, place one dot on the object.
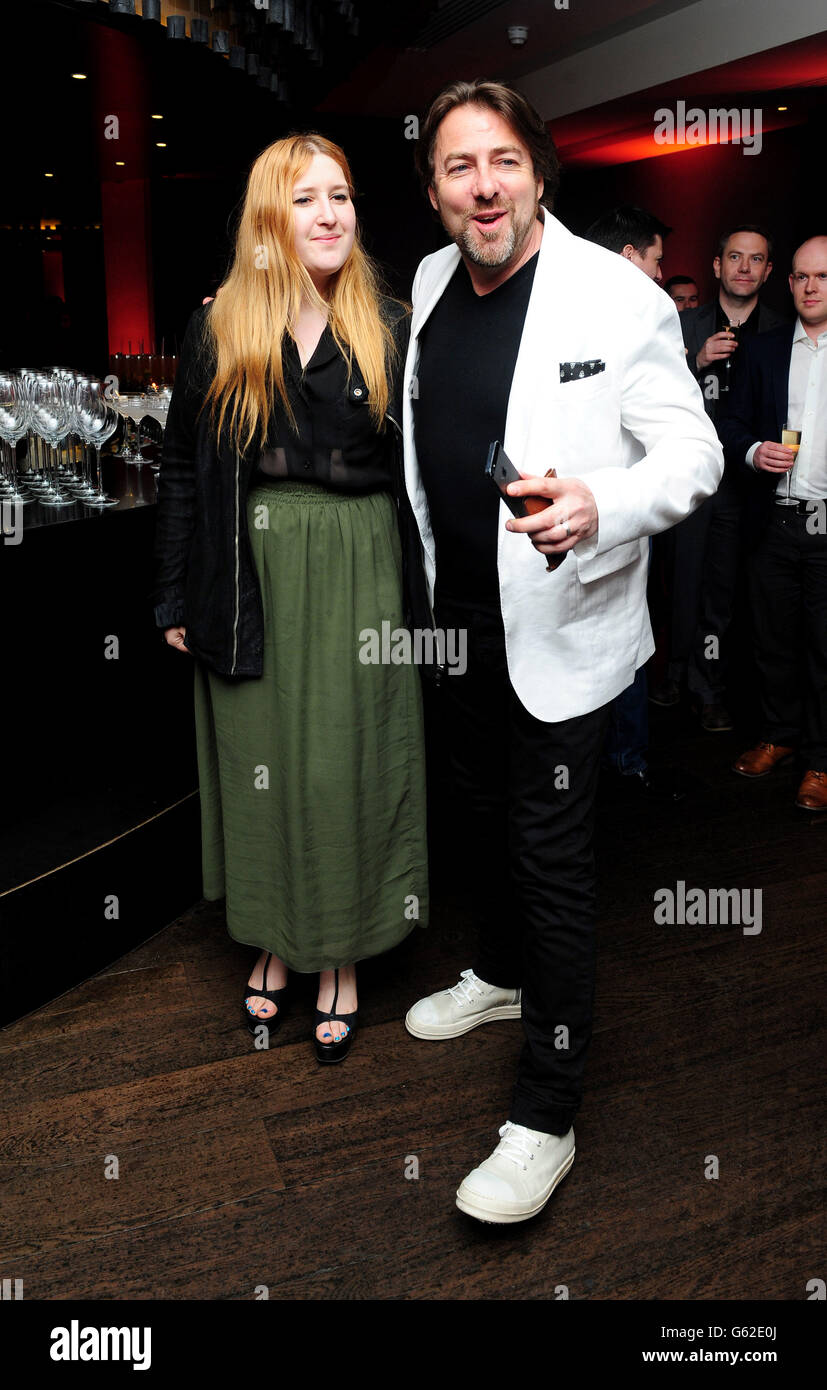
(275, 996)
(335, 1051)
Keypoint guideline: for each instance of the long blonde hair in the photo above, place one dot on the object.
(262, 293)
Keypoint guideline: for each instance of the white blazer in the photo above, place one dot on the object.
(636, 433)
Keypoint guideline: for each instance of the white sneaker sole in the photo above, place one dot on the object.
(435, 1031)
(485, 1209)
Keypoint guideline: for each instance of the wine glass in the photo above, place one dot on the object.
(14, 421)
(34, 474)
(67, 472)
(98, 421)
(82, 487)
(791, 439)
(50, 420)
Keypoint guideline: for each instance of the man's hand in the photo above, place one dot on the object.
(773, 458)
(175, 638)
(572, 517)
(716, 349)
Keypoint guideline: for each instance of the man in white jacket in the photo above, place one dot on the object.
(524, 333)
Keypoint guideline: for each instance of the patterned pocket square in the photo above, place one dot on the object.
(573, 371)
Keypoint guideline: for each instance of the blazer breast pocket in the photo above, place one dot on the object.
(581, 380)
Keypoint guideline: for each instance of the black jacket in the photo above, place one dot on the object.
(205, 577)
(757, 411)
(699, 324)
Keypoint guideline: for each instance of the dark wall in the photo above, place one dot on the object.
(700, 192)
(194, 217)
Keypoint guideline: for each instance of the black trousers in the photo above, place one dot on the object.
(788, 597)
(707, 548)
(528, 788)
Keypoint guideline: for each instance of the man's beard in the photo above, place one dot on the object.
(493, 252)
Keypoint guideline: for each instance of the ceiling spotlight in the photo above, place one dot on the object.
(156, 118)
(79, 76)
(783, 108)
(517, 35)
(48, 176)
(119, 163)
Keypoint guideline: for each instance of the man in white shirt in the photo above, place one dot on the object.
(783, 385)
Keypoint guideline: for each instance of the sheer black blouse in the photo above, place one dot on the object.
(337, 444)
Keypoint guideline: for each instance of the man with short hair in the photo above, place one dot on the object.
(633, 233)
(783, 383)
(684, 291)
(705, 548)
(512, 340)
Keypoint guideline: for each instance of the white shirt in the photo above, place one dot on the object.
(806, 411)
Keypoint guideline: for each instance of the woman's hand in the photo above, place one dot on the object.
(174, 636)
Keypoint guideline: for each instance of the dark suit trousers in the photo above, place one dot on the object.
(707, 550)
(788, 595)
(528, 788)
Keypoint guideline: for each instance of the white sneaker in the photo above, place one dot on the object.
(462, 1007)
(519, 1177)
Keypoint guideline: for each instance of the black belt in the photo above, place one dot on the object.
(803, 508)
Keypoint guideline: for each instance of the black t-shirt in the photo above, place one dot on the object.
(337, 443)
(468, 350)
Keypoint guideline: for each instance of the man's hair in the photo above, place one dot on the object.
(679, 280)
(751, 227)
(526, 123)
(627, 226)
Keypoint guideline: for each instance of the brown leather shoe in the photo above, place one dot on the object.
(812, 794)
(761, 759)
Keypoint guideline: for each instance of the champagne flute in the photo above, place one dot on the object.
(791, 439)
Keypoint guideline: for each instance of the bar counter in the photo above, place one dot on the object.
(100, 815)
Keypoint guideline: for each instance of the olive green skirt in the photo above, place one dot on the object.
(312, 777)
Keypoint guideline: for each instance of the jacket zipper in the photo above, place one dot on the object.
(235, 620)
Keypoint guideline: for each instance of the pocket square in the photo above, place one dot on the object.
(573, 371)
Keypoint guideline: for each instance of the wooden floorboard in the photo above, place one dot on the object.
(239, 1168)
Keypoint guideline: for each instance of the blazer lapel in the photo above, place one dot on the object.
(540, 342)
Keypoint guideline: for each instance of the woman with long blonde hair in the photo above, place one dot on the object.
(278, 559)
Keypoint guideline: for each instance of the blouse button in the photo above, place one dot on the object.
(307, 465)
(357, 390)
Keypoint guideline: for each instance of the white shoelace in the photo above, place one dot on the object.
(467, 986)
(516, 1137)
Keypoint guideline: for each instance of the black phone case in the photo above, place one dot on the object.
(501, 471)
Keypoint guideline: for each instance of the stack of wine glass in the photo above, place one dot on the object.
(51, 406)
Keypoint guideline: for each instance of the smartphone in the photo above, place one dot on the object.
(501, 471)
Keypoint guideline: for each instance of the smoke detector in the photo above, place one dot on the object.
(517, 35)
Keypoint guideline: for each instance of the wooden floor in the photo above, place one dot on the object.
(239, 1168)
